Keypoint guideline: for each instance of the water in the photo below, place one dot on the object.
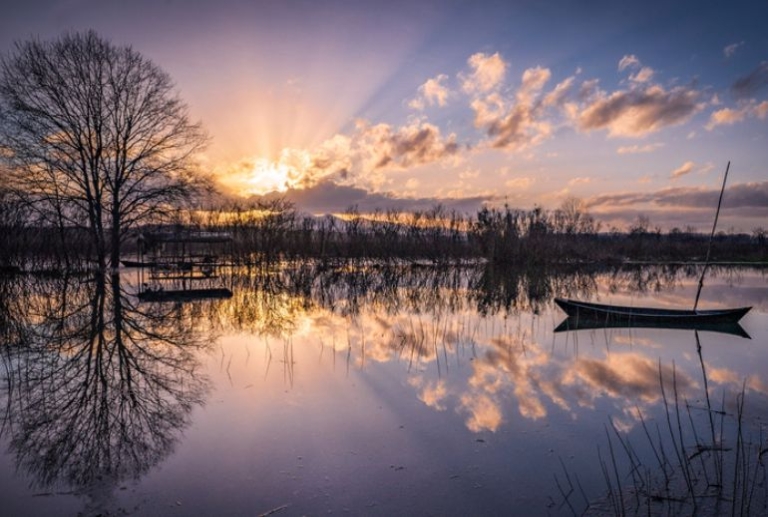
(373, 391)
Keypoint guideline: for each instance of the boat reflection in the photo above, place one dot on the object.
(573, 324)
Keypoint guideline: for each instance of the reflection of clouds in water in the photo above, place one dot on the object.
(727, 376)
(433, 394)
(631, 340)
(384, 339)
(502, 371)
(512, 367)
(628, 376)
(484, 412)
(524, 372)
(723, 375)
(508, 368)
(627, 419)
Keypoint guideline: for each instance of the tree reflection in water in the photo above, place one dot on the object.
(96, 388)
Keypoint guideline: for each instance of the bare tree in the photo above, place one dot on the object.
(95, 136)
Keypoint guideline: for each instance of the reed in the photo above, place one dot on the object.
(703, 476)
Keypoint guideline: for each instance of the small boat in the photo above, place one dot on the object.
(599, 313)
(595, 315)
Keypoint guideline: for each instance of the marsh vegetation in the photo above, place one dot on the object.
(274, 232)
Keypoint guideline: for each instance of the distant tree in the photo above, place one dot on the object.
(95, 136)
(573, 218)
(759, 233)
(640, 226)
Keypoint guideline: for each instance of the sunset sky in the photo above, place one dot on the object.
(634, 108)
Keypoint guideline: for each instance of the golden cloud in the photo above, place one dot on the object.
(684, 169)
(432, 92)
(487, 73)
(638, 112)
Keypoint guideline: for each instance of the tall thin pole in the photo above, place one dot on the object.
(711, 237)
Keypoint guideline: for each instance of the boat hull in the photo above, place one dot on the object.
(598, 313)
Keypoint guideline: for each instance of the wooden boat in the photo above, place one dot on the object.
(733, 328)
(598, 313)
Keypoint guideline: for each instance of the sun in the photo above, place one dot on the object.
(267, 176)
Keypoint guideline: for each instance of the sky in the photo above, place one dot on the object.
(632, 108)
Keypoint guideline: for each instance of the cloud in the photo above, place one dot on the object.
(558, 96)
(510, 118)
(519, 123)
(730, 116)
(641, 111)
(487, 73)
(726, 116)
(372, 150)
(644, 75)
(731, 49)
(684, 169)
(589, 90)
(751, 83)
(582, 180)
(533, 81)
(407, 146)
(628, 61)
(637, 149)
(693, 205)
(328, 197)
(364, 158)
(432, 92)
(519, 183)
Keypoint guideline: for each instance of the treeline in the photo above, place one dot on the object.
(270, 232)
(33, 243)
(265, 232)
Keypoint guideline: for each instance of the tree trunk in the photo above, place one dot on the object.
(115, 236)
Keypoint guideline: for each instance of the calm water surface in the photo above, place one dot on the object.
(357, 392)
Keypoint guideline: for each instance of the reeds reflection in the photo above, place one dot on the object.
(271, 300)
(96, 389)
(497, 321)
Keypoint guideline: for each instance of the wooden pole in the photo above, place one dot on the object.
(711, 237)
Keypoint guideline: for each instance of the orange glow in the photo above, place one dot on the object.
(267, 176)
